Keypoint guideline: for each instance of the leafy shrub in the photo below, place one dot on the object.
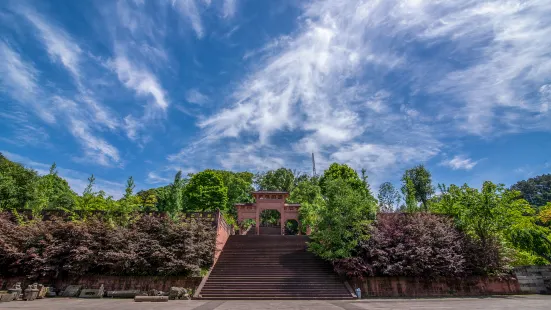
(419, 245)
(148, 246)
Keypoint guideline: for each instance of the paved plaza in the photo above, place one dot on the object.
(486, 303)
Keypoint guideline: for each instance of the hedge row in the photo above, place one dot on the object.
(148, 246)
(421, 245)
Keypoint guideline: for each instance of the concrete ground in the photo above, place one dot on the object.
(485, 303)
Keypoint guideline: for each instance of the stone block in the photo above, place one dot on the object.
(71, 291)
(6, 297)
(51, 292)
(123, 294)
(42, 291)
(31, 292)
(177, 293)
(92, 293)
(151, 298)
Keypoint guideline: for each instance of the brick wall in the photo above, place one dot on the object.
(113, 283)
(223, 232)
(534, 279)
(414, 287)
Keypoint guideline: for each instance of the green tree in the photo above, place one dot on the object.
(410, 196)
(19, 186)
(147, 199)
(494, 213)
(343, 221)
(281, 179)
(95, 201)
(57, 191)
(308, 194)
(342, 172)
(129, 202)
(537, 191)
(205, 192)
(422, 183)
(389, 197)
(174, 203)
(239, 185)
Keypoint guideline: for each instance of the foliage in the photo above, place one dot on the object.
(281, 179)
(422, 185)
(537, 190)
(494, 213)
(343, 172)
(416, 245)
(410, 196)
(308, 194)
(343, 221)
(175, 199)
(148, 200)
(148, 246)
(239, 185)
(205, 192)
(18, 186)
(389, 197)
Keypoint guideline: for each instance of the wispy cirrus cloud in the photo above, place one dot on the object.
(459, 162)
(325, 87)
(19, 79)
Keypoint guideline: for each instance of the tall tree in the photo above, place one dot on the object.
(239, 185)
(148, 199)
(308, 194)
(344, 220)
(281, 179)
(389, 197)
(422, 183)
(205, 192)
(18, 186)
(342, 172)
(175, 203)
(537, 191)
(495, 213)
(129, 202)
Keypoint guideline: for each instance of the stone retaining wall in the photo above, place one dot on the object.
(534, 279)
(414, 287)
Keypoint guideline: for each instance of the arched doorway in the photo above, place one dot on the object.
(268, 209)
(270, 222)
(291, 227)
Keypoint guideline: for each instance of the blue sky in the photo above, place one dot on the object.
(145, 88)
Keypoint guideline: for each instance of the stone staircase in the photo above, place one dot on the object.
(271, 267)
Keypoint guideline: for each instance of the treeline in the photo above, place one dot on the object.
(341, 209)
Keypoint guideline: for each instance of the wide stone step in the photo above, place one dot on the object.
(271, 267)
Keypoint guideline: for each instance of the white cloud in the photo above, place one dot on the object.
(20, 80)
(154, 178)
(195, 96)
(229, 8)
(59, 44)
(140, 80)
(190, 10)
(459, 162)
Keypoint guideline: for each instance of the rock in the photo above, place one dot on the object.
(71, 291)
(16, 291)
(123, 294)
(51, 292)
(92, 293)
(177, 293)
(151, 298)
(31, 292)
(6, 297)
(42, 291)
